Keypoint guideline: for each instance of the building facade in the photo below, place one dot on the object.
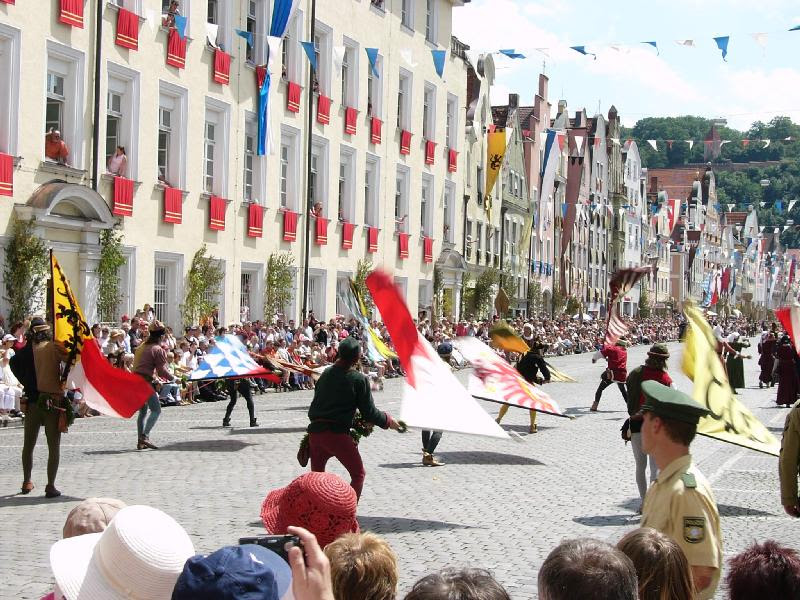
(382, 179)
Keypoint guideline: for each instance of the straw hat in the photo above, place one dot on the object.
(139, 555)
(321, 502)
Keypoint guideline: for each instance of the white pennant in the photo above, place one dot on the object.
(579, 143)
(766, 143)
(785, 227)
(723, 142)
(338, 57)
(211, 34)
(760, 39)
(761, 229)
(615, 141)
(688, 43)
(406, 56)
(730, 207)
(691, 143)
(791, 204)
(653, 144)
(275, 65)
(762, 204)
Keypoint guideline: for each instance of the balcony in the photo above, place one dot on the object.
(457, 47)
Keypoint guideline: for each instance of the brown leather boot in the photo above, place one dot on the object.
(429, 461)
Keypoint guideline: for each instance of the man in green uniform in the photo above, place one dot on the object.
(789, 463)
(680, 502)
(340, 391)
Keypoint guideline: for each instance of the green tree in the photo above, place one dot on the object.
(573, 306)
(363, 268)
(484, 290)
(278, 283)
(25, 272)
(438, 286)
(203, 284)
(559, 300)
(111, 259)
(467, 294)
(644, 301)
(535, 298)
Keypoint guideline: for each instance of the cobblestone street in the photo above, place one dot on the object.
(498, 505)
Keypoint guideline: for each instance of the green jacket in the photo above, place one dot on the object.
(789, 462)
(337, 395)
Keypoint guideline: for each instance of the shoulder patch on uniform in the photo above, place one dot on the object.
(694, 529)
(689, 481)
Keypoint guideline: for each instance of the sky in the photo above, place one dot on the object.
(756, 83)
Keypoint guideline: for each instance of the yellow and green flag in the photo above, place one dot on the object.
(730, 420)
(506, 338)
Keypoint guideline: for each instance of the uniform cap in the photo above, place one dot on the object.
(349, 348)
(670, 403)
(660, 350)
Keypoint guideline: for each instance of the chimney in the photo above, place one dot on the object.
(513, 102)
(562, 106)
(543, 81)
(654, 185)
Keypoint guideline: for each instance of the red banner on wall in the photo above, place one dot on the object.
(255, 220)
(173, 205)
(347, 235)
(127, 30)
(375, 130)
(323, 110)
(222, 67)
(289, 226)
(176, 49)
(216, 213)
(293, 97)
(402, 244)
(123, 197)
(6, 175)
(71, 13)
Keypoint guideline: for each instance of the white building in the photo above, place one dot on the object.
(632, 214)
(186, 131)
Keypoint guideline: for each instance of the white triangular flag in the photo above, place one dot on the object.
(579, 143)
(785, 227)
(615, 141)
(691, 143)
(211, 34)
(766, 143)
(338, 57)
(688, 43)
(406, 55)
(791, 204)
(723, 142)
(653, 144)
(760, 39)
(730, 207)
(762, 204)
(275, 64)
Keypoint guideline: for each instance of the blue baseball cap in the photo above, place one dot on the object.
(247, 572)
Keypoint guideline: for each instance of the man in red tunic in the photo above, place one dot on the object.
(617, 357)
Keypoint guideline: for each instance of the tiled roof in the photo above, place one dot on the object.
(677, 183)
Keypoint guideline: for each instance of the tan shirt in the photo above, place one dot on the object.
(789, 464)
(47, 357)
(681, 505)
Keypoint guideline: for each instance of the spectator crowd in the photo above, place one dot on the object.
(292, 350)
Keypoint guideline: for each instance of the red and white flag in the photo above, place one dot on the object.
(433, 398)
(620, 284)
(789, 316)
(495, 379)
(107, 389)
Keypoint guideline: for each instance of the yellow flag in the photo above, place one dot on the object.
(506, 338)
(730, 420)
(69, 324)
(496, 150)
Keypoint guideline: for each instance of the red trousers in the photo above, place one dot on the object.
(326, 444)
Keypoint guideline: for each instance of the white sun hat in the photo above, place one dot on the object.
(138, 557)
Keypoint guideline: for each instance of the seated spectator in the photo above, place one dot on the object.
(55, 148)
(661, 566)
(118, 162)
(248, 572)
(91, 516)
(323, 503)
(768, 571)
(464, 584)
(139, 555)
(362, 566)
(587, 568)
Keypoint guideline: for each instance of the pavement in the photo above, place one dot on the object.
(499, 505)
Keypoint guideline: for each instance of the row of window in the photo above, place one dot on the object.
(168, 289)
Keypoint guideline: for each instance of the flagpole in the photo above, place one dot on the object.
(309, 200)
(547, 412)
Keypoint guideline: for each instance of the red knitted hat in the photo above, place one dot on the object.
(321, 502)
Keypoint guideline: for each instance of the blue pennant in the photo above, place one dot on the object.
(312, 56)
